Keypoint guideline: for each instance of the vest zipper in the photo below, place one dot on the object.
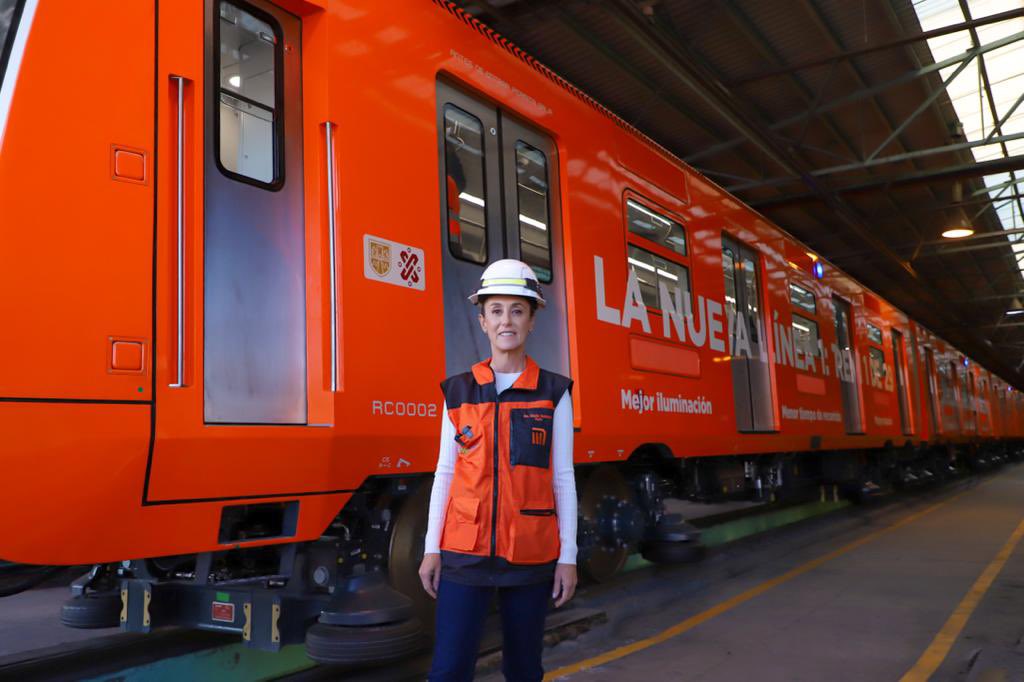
(494, 486)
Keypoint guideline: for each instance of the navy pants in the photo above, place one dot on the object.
(461, 611)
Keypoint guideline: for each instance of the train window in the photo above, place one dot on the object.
(249, 116)
(877, 366)
(651, 269)
(805, 335)
(466, 189)
(802, 298)
(659, 229)
(532, 197)
(874, 334)
(10, 11)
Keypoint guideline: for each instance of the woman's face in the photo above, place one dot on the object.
(507, 321)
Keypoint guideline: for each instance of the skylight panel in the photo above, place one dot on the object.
(1005, 69)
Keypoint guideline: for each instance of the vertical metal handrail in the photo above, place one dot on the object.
(332, 249)
(180, 383)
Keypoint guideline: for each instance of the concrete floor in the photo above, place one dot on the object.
(31, 620)
(868, 614)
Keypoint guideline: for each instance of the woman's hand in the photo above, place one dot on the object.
(565, 583)
(430, 573)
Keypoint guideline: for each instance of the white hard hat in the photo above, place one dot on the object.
(509, 277)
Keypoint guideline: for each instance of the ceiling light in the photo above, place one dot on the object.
(958, 233)
(235, 81)
(1015, 312)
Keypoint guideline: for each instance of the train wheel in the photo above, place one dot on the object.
(92, 610)
(405, 552)
(341, 645)
(661, 552)
(607, 508)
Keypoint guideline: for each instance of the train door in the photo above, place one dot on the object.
(971, 400)
(253, 240)
(499, 183)
(931, 390)
(847, 368)
(898, 354)
(751, 378)
(955, 399)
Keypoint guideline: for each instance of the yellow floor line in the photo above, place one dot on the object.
(729, 604)
(936, 653)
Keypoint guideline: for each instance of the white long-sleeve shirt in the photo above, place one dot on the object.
(563, 478)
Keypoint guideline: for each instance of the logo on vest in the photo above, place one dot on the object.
(463, 437)
(538, 436)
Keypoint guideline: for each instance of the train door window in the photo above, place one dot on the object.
(655, 252)
(652, 270)
(751, 376)
(532, 195)
(466, 185)
(802, 298)
(805, 335)
(874, 334)
(876, 364)
(847, 368)
(659, 229)
(899, 358)
(248, 128)
(10, 13)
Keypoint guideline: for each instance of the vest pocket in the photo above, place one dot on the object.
(461, 524)
(537, 512)
(531, 436)
(534, 537)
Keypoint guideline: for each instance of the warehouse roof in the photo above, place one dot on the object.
(865, 129)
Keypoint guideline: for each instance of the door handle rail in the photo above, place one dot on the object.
(180, 212)
(332, 204)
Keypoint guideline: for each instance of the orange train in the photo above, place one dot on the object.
(237, 255)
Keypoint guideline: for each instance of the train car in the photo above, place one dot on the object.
(240, 234)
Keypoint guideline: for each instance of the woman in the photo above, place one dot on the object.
(510, 422)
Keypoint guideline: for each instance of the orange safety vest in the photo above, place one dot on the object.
(502, 501)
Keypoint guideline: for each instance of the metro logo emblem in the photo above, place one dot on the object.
(410, 267)
(538, 436)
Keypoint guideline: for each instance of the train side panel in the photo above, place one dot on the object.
(772, 358)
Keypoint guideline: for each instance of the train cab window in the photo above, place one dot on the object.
(659, 229)
(652, 269)
(10, 11)
(874, 334)
(249, 116)
(805, 335)
(532, 198)
(466, 189)
(802, 298)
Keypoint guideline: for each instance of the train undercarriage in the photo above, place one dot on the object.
(354, 596)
